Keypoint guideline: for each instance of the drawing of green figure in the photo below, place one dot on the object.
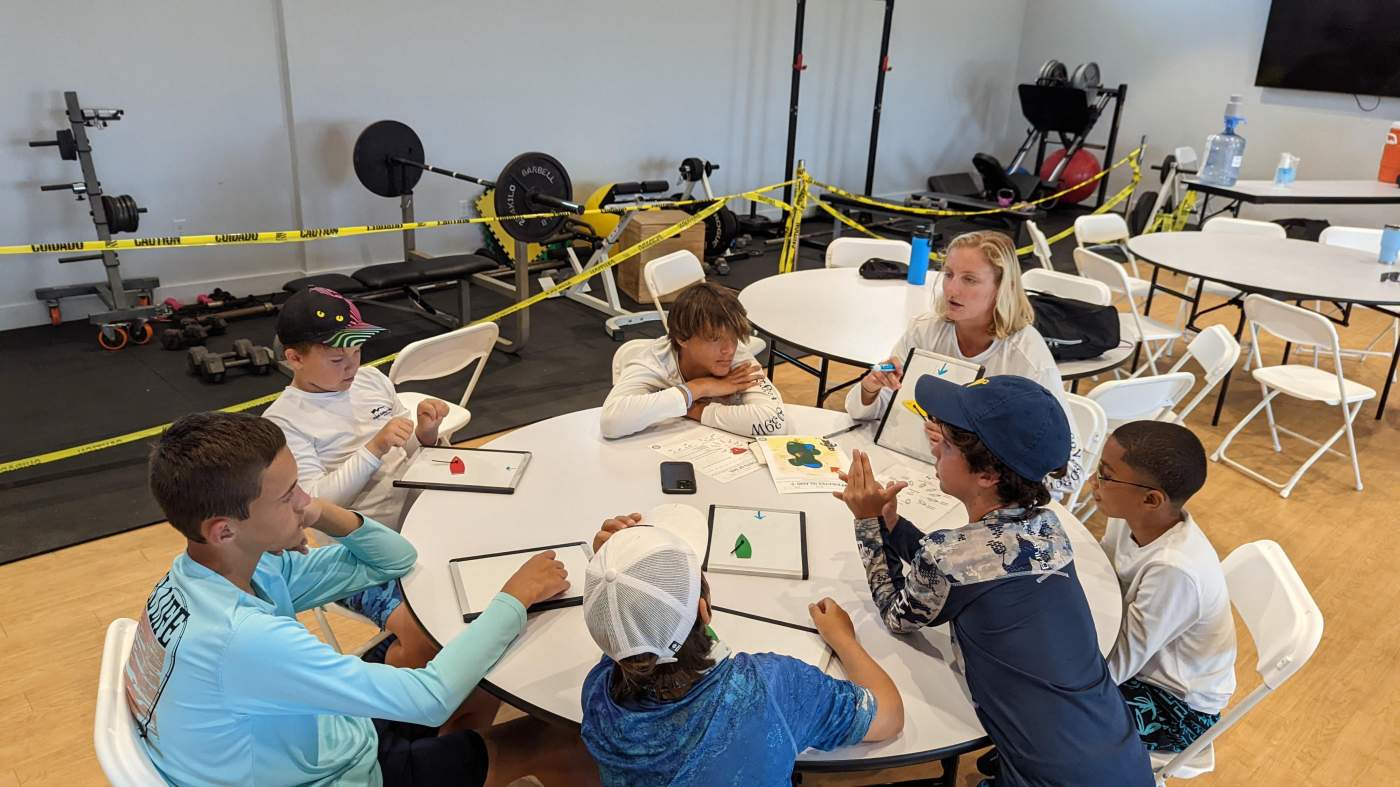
(803, 455)
(742, 548)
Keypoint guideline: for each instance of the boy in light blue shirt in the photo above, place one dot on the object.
(225, 685)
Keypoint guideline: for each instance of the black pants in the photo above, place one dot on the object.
(411, 754)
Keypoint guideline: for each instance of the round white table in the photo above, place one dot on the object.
(836, 315)
(576, 479)
(1289, 269)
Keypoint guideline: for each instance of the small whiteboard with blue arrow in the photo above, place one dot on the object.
(765, 542)
(901, 427)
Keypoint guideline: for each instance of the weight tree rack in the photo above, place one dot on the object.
(130, 302)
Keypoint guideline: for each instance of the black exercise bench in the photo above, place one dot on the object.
(410, 279)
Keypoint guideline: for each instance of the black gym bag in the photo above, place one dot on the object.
(1074, 330)
(876, 268)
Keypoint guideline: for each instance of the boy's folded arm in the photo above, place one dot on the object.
(758, 413)
(371, 555)
(638, 400)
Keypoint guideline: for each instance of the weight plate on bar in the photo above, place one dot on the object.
(67, 145)
(375, 148)
(1052, 73)
(1086, 76)
(526, 175)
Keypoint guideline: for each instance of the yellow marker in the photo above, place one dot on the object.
(916, 409)
(978, 381)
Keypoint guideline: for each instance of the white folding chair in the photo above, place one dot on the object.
(1091, 428)
(674, 272)
(1227, 225)
(1367, 240)
(114, 735)
(1098, 231)
(337, 608)
(439, 356)
(1142, 398)
(1134, 326)
(1286, 626)
(625, 353)
(1040, 246)
(1217, 352)
(1067, 285)
(1232, 226)
(1299, 326)
(852, 252)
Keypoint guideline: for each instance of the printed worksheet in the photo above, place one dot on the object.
(715, 454)
(922, 502)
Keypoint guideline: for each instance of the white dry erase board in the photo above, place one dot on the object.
(465, 470)
(478, 578)
(757, 541)
(901, 429)
(749, 633)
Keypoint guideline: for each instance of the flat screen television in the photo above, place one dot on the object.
(1338, 46)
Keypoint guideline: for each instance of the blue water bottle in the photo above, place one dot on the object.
(918, 255)
(1390, 244)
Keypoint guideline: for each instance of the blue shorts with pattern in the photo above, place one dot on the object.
(1164, 722)
(376, 602)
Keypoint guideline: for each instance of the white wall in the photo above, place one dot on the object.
(621, 90)
(1181, 69)
(204, 141)
(241, 116)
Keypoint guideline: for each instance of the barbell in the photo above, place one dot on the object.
(389, 161)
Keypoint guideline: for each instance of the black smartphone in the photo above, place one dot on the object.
(678, 478)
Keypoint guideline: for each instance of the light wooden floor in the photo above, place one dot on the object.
(1336, 723)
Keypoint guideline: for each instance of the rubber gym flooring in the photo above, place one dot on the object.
(62, 390)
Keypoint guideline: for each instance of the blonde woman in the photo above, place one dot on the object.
(982, 316)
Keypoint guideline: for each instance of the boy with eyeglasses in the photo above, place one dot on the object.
(1174, 659)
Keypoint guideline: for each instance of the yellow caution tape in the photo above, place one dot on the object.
(326, 233)
(1130, 159)
(787, 262)
(792, 233)
(620, 257)
(1109, 204)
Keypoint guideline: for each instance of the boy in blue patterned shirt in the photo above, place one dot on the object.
(1006, 582)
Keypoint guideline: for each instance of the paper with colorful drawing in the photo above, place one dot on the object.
(801, 464)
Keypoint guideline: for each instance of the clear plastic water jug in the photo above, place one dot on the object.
(1224, 151)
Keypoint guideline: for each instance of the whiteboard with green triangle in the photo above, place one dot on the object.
(757, 541)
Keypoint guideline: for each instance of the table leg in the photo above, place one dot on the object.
(1225, 381)
(772, 354)
(1389, 375)
(821, 382)
(1287, 346)
(1074, 386)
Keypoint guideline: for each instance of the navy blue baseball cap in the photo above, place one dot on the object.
(1020, 422)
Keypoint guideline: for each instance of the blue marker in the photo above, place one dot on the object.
(882, 367)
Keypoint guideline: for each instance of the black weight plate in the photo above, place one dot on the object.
(714, 233)
(376, 145)
(729, 224)
(1142, 210)
(67, 145)
(131, 219)
(528, 174)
